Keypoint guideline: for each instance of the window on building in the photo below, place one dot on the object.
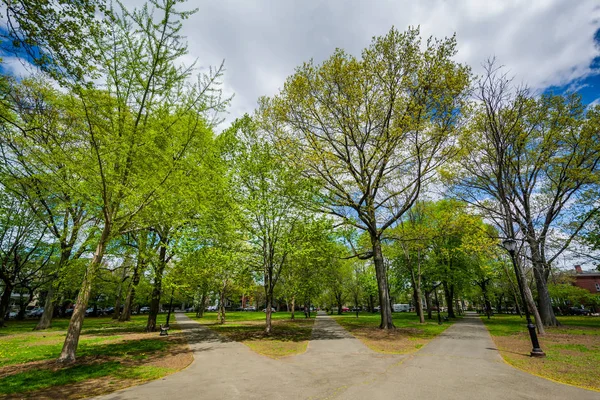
(597, 287)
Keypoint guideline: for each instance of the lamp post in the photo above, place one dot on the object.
(511, 246)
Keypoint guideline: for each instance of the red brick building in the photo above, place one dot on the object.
(588, 280)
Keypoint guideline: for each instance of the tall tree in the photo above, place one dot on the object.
(30, 172)
(134, 134)
(528, 163)
(269, 194)
(373, 130)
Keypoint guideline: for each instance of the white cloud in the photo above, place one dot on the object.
(17, 66)
(594, 103)
(544, 43)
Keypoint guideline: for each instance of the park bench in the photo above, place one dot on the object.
(164, 330)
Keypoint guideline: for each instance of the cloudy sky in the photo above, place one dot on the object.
(546, 44)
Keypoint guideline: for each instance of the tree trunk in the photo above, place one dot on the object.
(170, 308)
(371, 306)
(76, 323)
(428, 304)
(221, 313)
(417, 296)
(200, 312)
(269, 298)
(117, 312)
(544, 302)
(449, 294)
(499, 304)
(5, 302)
(533, 309)
(157, 288)
(46, 319)
(293, 306)
(529, 298)
(140, 265)
(22, 306)
(382, 284)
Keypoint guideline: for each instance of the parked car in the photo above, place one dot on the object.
(211, 308)
(272, 310)
(35, 313)
(190, 309)
(400, 307)
(355, 309)
(345, 309)
(377, 309)
(144, 310)
(108, 310)
(578, 311)
(89, 311)
(69, 312)
(13, 314)
(250, 308)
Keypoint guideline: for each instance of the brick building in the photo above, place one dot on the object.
(588, 280)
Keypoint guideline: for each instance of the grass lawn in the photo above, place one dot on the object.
(289, 337)
(408, 337)
(572, 350)
(111, 355)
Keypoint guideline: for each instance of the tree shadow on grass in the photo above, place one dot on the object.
(294, 331)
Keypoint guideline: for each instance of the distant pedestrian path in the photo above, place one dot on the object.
(461, 363)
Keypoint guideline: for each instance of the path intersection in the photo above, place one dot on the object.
(461, 363)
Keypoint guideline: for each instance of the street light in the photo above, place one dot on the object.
(511, 246)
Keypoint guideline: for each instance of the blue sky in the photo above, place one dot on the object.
(589, 86)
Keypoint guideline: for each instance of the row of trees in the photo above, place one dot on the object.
(115, 184)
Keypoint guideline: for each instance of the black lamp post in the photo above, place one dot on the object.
(511, 246)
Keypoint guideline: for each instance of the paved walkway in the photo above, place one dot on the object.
(461, 363)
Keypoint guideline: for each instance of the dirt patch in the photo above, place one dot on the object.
(395, 341)
(288, 337)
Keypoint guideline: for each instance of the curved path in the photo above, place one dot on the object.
(461, 363)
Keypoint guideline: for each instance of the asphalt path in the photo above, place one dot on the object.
(461, 363)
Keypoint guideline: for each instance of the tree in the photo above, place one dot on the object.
(130, 141)
(528, 164)
(23, 251)
(268, 193)
(411, 247)
(308, 263)
(30, 173)
(55, 35)
(372, 131)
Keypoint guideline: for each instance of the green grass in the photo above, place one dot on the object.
(38, 379)
(572, 350)
(107, 348)
(409, 335)
(91, 325)
(97, 338)
(289, 337)
(237, 316)
(428, 330)
(505, 325)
